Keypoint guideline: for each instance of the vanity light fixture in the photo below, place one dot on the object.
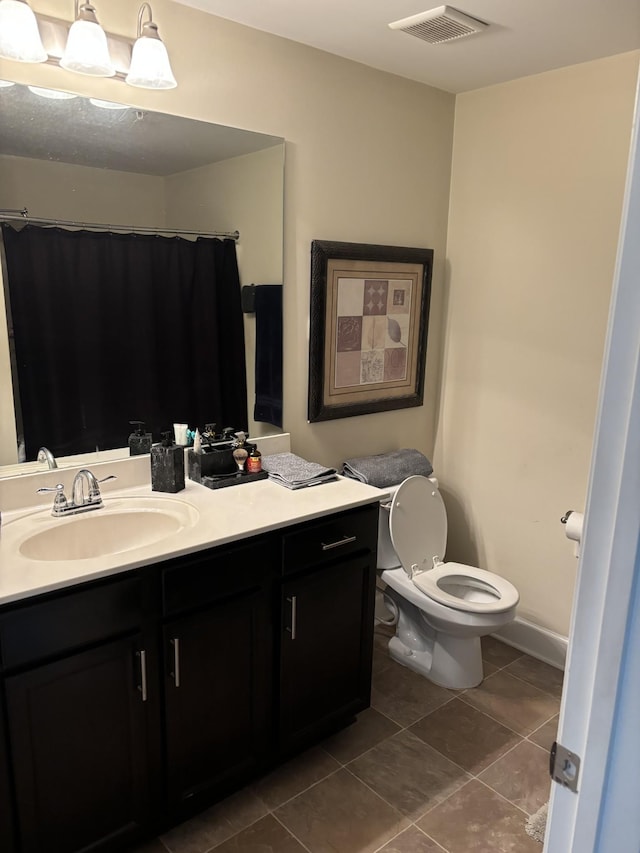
(19, 35)
(52, 94)
(150, 66)
(87, 51)
(107, 105)
(84, 47)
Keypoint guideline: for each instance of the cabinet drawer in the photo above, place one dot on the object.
(192, 582)
(330, 538)
(69, 620)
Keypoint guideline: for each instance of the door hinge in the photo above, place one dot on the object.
(564, 766)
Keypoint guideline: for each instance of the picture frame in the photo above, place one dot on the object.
(369, 318)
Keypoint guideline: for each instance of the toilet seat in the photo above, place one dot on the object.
(418, 529)
(467, 588)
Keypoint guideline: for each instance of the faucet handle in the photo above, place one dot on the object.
(94, 490)
(43, 489)
(60, 501)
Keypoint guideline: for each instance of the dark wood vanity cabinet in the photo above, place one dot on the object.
(78, 735)
(327, 602)
(134, 701)
(7, 840)
(77, 718)
(218, 665)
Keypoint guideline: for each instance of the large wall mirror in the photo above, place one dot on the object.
(79, 160)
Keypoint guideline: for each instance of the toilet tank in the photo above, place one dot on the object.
(387, 557)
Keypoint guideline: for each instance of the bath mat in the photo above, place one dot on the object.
(537, 823)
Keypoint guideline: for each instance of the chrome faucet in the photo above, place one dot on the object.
(79, 501)
(77, 490)
(45, 455)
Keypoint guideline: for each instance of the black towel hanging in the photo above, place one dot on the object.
(268, 370)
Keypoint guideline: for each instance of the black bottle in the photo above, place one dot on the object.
(139, 440)
(167, 466)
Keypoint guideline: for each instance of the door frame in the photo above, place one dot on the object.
(600, 684)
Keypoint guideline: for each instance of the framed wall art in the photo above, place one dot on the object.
(368, 335)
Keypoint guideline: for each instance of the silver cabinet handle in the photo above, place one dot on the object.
(344, 541)
(293, 601)
(175, 642)
(142, 687)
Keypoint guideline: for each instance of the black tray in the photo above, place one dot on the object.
(224, 480)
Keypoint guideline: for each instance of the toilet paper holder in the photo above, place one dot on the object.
(574, 522)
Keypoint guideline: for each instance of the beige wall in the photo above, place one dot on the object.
(368, 160)
(538, 177)
(49, 189)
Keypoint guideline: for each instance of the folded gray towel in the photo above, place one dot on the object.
(387, 469)
(294, 472)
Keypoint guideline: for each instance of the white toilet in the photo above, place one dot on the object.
(442, 608)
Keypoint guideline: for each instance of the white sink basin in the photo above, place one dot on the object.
(120, 525)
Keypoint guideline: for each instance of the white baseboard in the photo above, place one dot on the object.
(538, 642)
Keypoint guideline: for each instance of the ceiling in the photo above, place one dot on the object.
(523, 37)
(129, 140)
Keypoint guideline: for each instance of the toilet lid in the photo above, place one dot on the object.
(418, 524)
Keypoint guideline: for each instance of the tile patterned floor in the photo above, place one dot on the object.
(424, 770)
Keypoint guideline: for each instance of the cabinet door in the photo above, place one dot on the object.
(326, 646)
(218, 696)
(6, 826)
(78, 734)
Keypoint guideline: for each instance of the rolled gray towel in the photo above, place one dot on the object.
(294, 472)
(387, 469)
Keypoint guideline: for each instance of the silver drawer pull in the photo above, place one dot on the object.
(344, 541)
(176, 661)
(142, 687)
(293, 601)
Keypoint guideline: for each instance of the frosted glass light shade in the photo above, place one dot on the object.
(19, 35)
(52, 94)
(107, 105)
(86, 51)
(150, 67)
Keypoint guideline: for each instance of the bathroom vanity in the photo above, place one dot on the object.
(133, 699)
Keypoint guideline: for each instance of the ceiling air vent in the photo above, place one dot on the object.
(439, 25)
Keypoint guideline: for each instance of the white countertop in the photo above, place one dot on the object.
(223, 515)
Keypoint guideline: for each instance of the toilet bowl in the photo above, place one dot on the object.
(442, 608)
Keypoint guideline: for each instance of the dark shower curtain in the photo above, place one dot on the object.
(117, 327)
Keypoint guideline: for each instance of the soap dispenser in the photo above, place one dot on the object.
(167, 466)
(139, 440)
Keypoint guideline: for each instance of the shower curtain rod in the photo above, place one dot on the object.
(23, 216)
